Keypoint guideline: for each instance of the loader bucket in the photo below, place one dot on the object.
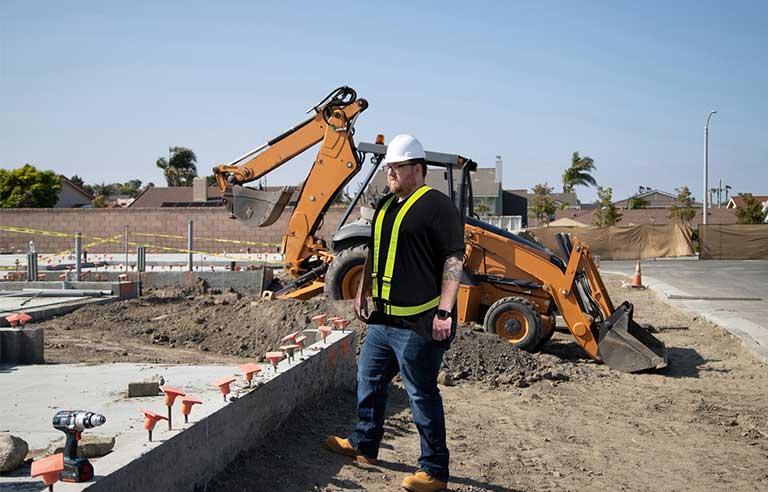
(259, 208)
(628, 347)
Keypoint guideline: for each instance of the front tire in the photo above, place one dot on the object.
(345, 273)
(515, 320)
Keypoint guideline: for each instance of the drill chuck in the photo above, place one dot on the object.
(77, 420)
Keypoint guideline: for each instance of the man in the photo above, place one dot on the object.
(414, 267)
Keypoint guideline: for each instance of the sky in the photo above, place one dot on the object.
(102, 89)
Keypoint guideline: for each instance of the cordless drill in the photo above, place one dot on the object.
(73, 423)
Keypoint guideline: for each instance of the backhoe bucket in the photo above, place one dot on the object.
(626, 346)
(259, 208)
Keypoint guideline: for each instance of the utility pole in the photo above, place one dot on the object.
(706, 165)
(719, 193)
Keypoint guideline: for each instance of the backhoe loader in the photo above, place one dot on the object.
(513, 286)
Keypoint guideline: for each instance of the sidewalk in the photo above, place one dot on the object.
(730, 293)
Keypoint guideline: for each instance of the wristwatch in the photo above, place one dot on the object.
(443, 314)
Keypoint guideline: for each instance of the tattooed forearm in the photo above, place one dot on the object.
(451, 279)
(452, 267)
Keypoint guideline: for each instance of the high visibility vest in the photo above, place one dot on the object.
(384, 276)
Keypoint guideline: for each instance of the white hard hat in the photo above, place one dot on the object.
(403, 148)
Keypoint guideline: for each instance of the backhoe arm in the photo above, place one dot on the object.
(336, 163)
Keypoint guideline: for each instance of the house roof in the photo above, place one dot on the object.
(569, 199)
(736, 201)
(565, 221)
(483, 182)
(655, 199)
(182, 196)
(157, 197)
(77, 188)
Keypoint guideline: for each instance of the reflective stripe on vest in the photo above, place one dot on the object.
(389, 266)
(377, 243)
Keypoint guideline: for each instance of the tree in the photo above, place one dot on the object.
(26, 187)
(211, 181)
(682, 211)
(130, 188)
(606, 213)
(579, 173)
(637, 202)
(104, 189)
(180, 169)
(484, 207)
(751, 211)
(77, 180)
(99, 202)
(543, 207)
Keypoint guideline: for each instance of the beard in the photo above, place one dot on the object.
(394, 185)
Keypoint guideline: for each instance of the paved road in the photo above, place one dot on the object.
(732, 279)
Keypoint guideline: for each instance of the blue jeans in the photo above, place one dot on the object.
(386, 351)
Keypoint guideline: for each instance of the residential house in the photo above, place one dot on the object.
(652, 199)
(175, 196)
(72, 195)
(197, 195)
(487, 192)
(735, 202)
(562, 200)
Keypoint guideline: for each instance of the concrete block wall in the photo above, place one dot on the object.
(22, 345)
(210, 223)
(189, 459)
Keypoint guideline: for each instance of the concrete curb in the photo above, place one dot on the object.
(751, 334)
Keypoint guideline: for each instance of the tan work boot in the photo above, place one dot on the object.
(422, 482)
(342, 446)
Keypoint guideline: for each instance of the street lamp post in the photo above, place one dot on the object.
(706, 164)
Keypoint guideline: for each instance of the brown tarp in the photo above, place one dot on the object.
(625, 242)
(733, 241)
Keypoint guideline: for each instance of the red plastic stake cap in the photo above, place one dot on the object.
(249, 370)
(151, 418)
(341, 323)
(18, 318)
(223, 385)
(300, 341)
(320, 318)
(186, 404)
(48, 468)
(291, 338)
(170, 395)
(325, 331)
(274, 358)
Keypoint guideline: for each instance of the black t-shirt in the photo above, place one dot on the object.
(431, 231)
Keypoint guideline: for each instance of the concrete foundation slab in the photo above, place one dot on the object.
(182, 459)
(48, 306)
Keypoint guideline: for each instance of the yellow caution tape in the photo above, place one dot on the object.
(118, 238)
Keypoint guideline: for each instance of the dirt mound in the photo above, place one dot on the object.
(479, 356)
(184, 326)
(227, 324)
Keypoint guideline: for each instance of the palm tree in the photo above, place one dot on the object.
(179, 169)
(579, 173)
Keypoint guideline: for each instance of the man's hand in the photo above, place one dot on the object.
(361, 306)
(441, 328)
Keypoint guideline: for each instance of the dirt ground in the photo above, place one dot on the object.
(516, 421)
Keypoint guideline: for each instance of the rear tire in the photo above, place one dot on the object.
(515, 320)
(345, 273)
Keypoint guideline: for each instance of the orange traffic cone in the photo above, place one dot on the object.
(637, 278)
